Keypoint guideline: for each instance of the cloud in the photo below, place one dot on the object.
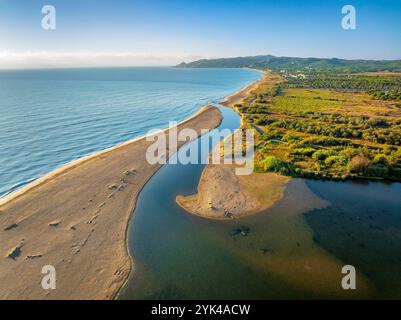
(46, 59)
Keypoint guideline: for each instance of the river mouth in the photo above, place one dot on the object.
(292, 250)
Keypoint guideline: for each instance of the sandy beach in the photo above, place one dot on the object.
(75, 219)
(243, 93)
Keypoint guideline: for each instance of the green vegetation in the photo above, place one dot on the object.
(326, 126)
(320, 118)
(294, 64)
(380, 87)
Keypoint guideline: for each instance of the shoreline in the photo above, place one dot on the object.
(79, 225)
(53, 173)
(238, 96)
(70, 165)
(221, 194)
(247, 88)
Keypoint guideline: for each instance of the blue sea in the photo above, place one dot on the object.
(51, 117)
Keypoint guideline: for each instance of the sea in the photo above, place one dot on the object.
(51, 117)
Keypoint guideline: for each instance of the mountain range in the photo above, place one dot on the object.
(294, 63)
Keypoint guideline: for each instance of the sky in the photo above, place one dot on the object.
(166, 32)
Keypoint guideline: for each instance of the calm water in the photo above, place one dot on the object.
(295, 249)
(51, 117)
(363, 228)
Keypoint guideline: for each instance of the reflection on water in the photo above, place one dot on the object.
(295, 249)
(362, 228)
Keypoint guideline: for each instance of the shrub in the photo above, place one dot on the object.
(305, 151)
(359, 164)
(396, 172)
(289, 138)
(323, 141)
(378, 171)
(322, 154)
(271, 163)
(380, 159)
(397, 153)
(340, 160)
(387, 150)
(349, 152)
(378, 123)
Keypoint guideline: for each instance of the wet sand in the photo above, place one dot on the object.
(75, 219)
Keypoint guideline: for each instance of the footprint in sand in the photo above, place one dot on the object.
(112, 186)
(34, 256)
(15, 252)
(130, 172)
(91, 220)
(54, 223)
(11, 226)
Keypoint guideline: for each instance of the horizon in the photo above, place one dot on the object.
(33, 68)
(152, 33)
(209, 151)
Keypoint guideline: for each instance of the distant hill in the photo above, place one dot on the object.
(290, 63)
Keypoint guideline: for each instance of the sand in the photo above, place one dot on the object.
(76, 220)
(223, 195)
(243, 93)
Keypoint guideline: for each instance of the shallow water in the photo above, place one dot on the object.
(51, 117)
(363, 228)
(294, 249)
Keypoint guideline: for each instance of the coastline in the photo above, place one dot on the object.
(221, 194)
(93, 199)
(238, 96)
(72, 164)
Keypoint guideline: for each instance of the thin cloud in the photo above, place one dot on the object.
(45, 59)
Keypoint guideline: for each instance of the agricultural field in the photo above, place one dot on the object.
(331, 133)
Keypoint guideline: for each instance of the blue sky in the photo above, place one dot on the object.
(163, 32)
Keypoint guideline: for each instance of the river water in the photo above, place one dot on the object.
(296, 249)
